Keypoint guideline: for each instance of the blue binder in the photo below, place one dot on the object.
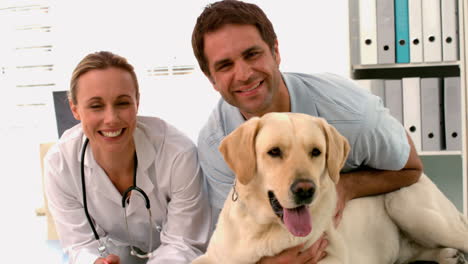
(402, 32)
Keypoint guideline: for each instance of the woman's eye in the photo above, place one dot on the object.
(95, 106)
(275, 152)
(315, 152)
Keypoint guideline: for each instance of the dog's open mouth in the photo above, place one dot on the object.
(275, 205)
(297, 220)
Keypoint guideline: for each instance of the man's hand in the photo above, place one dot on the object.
(111, 259)
(293, 255)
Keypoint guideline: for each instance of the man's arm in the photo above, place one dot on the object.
(369, 181)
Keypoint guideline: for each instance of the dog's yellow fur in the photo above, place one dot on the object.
(248, 228)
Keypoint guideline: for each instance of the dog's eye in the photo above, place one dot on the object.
(275, 152)
(315, 152)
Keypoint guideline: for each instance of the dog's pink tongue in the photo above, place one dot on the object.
(297, 221)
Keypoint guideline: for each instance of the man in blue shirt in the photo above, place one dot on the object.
(237, 49)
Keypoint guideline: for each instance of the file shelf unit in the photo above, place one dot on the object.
(447, 168)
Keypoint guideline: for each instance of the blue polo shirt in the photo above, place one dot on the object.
(377, 140)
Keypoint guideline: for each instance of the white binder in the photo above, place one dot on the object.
(449, 30)
(375, 86)
(432, 44)
(452, 111)
(412, 109)
(355, 53)
(415, 30)
(431, 100)
(394, 98)
(368, 31)
(385, 32)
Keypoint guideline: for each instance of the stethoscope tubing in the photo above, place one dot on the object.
(83, 185)
(124, 196)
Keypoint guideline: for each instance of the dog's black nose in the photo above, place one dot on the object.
(303, 191)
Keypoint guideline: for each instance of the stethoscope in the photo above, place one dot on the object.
(125, 200)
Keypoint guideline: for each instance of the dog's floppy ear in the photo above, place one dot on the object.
(337, 150)
(238, 149)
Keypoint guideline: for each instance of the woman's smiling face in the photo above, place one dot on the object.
(107, 107)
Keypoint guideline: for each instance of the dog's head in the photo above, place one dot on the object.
(283, 161)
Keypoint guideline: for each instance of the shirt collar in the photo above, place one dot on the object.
(301, 100)
(232, 117)
(300, 103)
(146, 155)
(89, 160)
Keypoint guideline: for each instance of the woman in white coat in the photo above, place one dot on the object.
(124, 151)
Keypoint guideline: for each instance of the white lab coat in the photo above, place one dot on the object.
(168, 172)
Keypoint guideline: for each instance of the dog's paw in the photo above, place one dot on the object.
(451, 256)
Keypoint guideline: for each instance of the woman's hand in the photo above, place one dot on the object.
(111, 259)
(293, 255)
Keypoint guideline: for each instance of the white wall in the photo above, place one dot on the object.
(312, 38)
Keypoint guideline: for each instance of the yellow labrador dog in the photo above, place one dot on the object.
(287, 166)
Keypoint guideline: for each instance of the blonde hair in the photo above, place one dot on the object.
(99, 61)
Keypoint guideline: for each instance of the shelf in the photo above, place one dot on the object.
(441, 153)
(448, 169)
(398, 71)
(406, 65)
